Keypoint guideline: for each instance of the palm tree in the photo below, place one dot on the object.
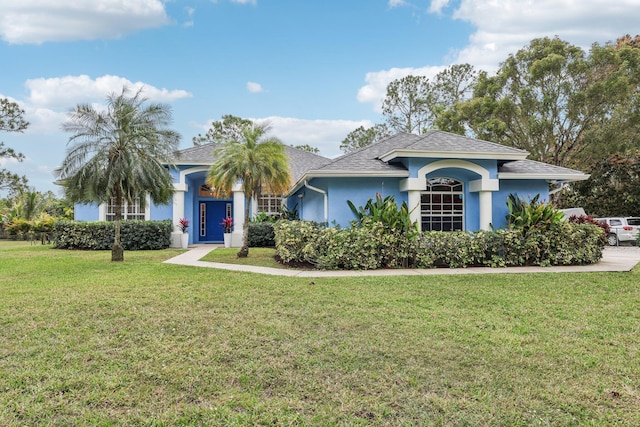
(119, 154)
(260, 165)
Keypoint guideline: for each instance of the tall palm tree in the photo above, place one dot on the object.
(119, 154)
(260, 164)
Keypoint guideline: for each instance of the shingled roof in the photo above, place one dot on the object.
(300, 161)
(436, 143)
(531, 169)
(378, 157)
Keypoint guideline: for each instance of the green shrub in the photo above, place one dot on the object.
(370, 247)
(261, 235)
(135, 235)
(291, 237)
(385, 211)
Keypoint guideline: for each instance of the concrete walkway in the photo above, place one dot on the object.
(615, 259)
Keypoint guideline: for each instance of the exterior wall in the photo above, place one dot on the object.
(86, 212)
(160, 212)
(527, 188)
(339, 190)
(359, 191)
(415, 164)
(311, 204)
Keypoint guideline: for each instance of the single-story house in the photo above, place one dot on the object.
(450, 182)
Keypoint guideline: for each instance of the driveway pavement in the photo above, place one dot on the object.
(614, 259)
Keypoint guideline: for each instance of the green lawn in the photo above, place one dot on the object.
(263, 257)
(85, 341)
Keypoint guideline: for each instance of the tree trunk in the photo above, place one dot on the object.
(244, 251)
(117, 252)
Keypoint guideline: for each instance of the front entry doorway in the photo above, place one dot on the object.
(211, 215)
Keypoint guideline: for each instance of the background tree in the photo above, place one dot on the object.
(406, 104)
(259, 163)
(361, 137)
(612, 190)
(549, 99)
(229, 128)
(119, 154)
(307, 147)
(11, 120)
(414, 104)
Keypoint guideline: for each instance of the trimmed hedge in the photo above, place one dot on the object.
(261, 235)
(370, 248)
(134, 235)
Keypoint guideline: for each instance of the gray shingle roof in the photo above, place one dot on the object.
(300, 161)
(367, 159)
(531, 167)
(439, 141)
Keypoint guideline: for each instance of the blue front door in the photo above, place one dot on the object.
(211, 215)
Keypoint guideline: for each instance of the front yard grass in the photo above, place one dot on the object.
(262, 257)
(88, 342)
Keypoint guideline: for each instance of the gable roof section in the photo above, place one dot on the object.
(300, 161)
(439, 144)
(530, 169)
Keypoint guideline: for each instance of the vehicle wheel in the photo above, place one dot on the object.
(612, 239)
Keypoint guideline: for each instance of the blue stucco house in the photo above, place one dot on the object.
(450, 182)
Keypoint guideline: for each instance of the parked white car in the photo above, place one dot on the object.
(622, 229)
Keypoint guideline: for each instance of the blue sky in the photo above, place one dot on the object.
(315, 69)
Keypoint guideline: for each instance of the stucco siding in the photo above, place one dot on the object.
(86, 212)
(358, 191)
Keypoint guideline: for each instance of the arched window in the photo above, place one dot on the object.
(442, 205)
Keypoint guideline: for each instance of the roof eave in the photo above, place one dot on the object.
(394, 154)
(548, 177)
(345, 173)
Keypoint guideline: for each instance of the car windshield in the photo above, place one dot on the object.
(633, 221)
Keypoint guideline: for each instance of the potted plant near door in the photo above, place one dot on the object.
(227, 225)
(183, 225)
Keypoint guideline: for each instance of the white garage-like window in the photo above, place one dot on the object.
(135, 210)
(442, 205)
(269, 204)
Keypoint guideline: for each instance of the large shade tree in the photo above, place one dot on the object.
(553, 100)
(257, 162)
(119, 154)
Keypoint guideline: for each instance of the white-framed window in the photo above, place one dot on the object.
(442, 205)
(269, 204)
(135, 210)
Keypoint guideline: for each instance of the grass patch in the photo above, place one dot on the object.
(261, 257)
(88, 342)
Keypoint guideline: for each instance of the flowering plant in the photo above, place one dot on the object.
(227, 223)
(183, 224)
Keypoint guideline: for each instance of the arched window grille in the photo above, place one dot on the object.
(442, 205)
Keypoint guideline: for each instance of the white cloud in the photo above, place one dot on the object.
(39, 21)
(326, 135)
(66, 92)
(505, 26)
(377, 82)
(254, 87)
(437, 5)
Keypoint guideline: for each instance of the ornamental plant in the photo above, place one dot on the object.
(227, 224)
(183, 225)
(532, 215)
